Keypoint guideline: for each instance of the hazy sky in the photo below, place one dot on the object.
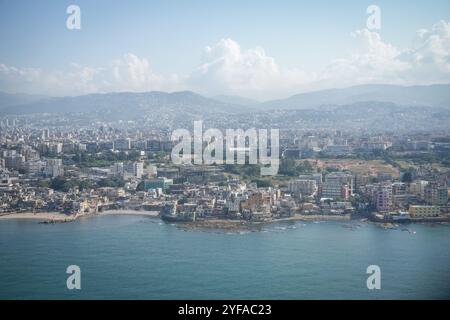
(258, 49)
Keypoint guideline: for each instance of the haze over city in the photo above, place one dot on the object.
(224, 150)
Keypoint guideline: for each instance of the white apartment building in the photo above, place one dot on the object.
(305, 187)
(332, 187)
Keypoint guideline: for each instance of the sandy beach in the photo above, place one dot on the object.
(42, 216)
(60, 217)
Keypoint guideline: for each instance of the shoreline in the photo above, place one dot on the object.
(227, 224)
(44, 216)
(125, 213)
(53, 217)
(224, 224)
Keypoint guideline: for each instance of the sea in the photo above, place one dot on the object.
(138, 257)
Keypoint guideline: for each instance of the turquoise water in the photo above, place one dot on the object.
(132, 257)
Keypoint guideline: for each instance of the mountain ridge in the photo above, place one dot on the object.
(437, 95)
(189, 101)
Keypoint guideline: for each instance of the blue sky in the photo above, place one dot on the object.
(302, 37)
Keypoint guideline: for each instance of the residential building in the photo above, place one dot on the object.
(424, 211)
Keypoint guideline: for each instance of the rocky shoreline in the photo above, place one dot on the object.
(236, 225)
(202, 224)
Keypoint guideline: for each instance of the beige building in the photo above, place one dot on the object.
(305, 187)
(424, 211)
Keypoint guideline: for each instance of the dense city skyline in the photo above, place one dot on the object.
(224, 150)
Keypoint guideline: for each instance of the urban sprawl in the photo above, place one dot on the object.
(323, 174)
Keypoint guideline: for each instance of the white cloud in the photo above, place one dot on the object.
(375, 61)
(429, 56)
(134, 74)
(130, 73)
(226, 68)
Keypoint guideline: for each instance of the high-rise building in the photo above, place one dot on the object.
(122, 144)
(332, 187)
(383, 197)
(135, 169)
(14, 161)
(34, 167)
(418, 188)
(138, 169)
(153, 145)
(45, 134)
(54, 168)
(304, 187)
(117, 169)
(436, 194)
